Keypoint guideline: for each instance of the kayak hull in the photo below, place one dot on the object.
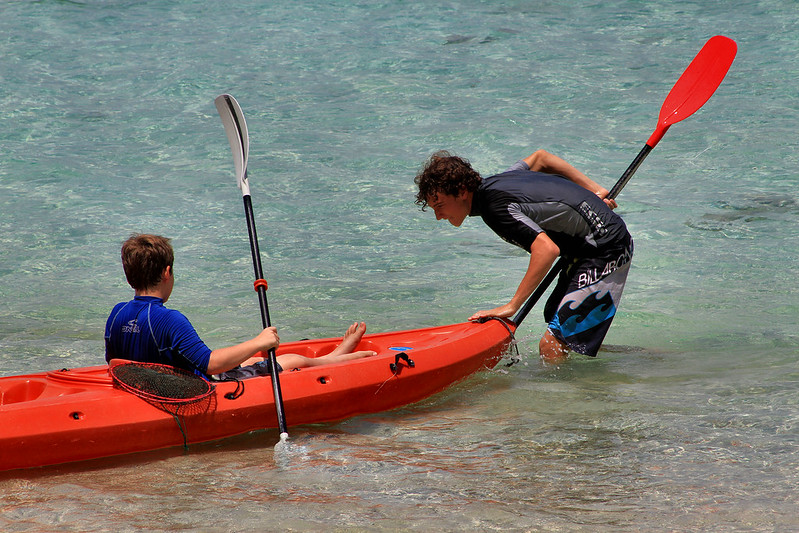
(72, 415)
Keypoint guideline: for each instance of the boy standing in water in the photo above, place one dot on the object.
(548, 208)
(144, 330)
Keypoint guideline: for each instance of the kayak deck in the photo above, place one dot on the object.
(72, 415)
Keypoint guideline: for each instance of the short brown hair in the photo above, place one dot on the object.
(144, 259)
(445, 173)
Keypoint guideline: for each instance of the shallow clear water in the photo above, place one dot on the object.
(687, 420)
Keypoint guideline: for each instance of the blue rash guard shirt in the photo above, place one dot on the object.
(146, 331)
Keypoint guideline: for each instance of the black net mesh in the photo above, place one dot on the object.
(171, 389)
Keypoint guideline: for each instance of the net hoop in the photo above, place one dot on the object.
(169, 388)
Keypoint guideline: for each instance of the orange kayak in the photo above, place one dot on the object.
(78, 414)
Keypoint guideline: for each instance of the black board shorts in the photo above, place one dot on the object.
(585, 300)
(261, 368)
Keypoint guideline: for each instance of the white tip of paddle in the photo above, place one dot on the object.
(287, 454)
(283, 444)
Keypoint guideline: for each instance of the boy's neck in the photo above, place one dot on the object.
(148, 294)
(164, 288)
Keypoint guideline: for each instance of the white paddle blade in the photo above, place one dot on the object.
(236, 129)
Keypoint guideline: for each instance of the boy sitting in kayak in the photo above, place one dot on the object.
(146, 331)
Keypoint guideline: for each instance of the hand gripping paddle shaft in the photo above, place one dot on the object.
(236, 129)
(695, 87)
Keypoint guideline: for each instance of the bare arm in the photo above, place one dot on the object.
(224, 359)
(543, 161)
(543, 253)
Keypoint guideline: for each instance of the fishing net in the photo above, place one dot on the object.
(174, 390)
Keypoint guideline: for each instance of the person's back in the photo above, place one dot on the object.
(146, 331)
(519, 204)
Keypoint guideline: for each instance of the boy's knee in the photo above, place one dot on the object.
(551, 349)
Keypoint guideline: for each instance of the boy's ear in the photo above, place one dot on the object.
(167, 272)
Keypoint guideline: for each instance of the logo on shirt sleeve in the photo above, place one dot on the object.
(593, 219)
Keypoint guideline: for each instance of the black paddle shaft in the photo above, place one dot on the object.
(256, 259)
(259, 274)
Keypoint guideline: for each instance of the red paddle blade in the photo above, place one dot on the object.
(696, 85)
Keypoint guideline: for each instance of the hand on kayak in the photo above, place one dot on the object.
(503, 311)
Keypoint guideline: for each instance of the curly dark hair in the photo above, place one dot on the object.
(144, 258)
(445, 173)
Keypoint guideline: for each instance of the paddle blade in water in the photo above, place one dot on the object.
(696, 85)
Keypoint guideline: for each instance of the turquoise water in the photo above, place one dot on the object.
(688, 419)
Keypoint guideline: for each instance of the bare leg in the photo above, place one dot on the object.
(253, 360)
(348, 344)
(552, 350)
(342, 352)
(293, 360)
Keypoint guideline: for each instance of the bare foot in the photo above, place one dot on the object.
(351, 339)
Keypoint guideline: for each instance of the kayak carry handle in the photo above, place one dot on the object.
(402, 355)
